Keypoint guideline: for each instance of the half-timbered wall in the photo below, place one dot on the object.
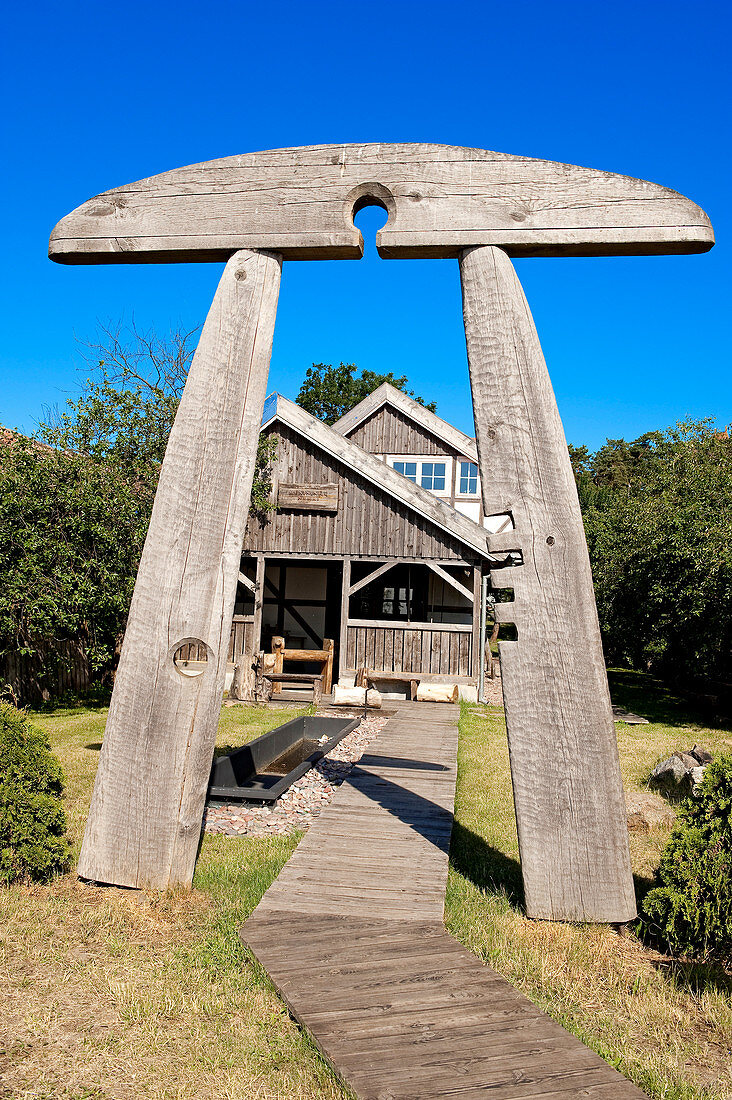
(369, 522)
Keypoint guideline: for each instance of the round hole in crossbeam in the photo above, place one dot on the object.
(191, 657)
(367, 196)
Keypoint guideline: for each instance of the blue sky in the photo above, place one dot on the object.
(95, 96)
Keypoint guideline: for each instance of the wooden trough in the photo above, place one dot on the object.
(254, 773)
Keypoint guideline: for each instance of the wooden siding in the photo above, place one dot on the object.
(389, 431)
(397, 648)
(369, 523)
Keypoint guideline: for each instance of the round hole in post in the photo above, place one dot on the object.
(191, 657)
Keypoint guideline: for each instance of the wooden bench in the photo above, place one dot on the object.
(323, 656)
(313, 678)
(366, 677)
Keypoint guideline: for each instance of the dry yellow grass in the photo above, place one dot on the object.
(666, 1025)
(118, 994)
(115, 994)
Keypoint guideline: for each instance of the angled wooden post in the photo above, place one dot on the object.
(572, 826)
(145, 818)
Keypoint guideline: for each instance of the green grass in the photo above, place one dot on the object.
(665, 1025)
(110, 994)
(117, 994)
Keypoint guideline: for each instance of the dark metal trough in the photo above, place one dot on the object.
(263, 770)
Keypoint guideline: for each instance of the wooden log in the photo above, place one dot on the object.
(244, 684)
(344, 696)
(329, 647)
(278, 646)
(440, 199)
(572, 829)
(373, 699)
(349, 696)
(145, 818)
(437, 693)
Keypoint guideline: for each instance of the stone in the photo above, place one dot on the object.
(647, 811)
(670, 774)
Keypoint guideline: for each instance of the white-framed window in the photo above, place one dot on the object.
(433, 473)
(433, 476)
(409, 469)
(468, 479)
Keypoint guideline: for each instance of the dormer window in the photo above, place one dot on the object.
(468, 479)
(409, 469)
(433, 476)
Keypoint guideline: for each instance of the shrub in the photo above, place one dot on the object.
(33, 841)
(689, 910)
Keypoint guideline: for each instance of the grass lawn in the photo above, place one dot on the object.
(117, 994)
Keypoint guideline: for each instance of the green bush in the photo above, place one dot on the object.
(689, 910)
(33, 841)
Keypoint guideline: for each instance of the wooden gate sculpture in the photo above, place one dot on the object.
(482, 208)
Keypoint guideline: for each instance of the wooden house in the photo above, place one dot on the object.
(378, 541)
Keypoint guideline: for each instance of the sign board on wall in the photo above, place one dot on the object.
(308, 498)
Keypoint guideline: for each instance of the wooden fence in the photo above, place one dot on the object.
(437, 649)
(55, 668)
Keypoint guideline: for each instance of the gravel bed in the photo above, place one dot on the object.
(303, 802)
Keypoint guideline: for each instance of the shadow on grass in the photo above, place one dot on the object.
(654, 700)
(95, 700)
(486, 867)
(695, 977)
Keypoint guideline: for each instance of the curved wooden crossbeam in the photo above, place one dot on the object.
(440, 199)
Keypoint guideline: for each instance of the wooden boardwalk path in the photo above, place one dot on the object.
(352, 935)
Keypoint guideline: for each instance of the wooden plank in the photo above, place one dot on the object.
(351, 934)
(310, 498)
(371, 577)
(258, 605)
(440, 199)
(431, 424)
(345, 659)
(570, 811)
(449, 579)
(247, 582)
(144, 822)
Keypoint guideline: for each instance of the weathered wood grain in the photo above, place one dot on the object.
(145, 818)
(440, 199)
(415, 432)
(306, 437)
(351, 934)
(564, 763)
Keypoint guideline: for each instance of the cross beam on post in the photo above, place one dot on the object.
(471, 204)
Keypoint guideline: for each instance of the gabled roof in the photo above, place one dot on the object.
(386, 394)
(416, 498)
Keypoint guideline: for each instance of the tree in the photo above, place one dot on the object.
(75, 503)
(329, 392)
(658, 518)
